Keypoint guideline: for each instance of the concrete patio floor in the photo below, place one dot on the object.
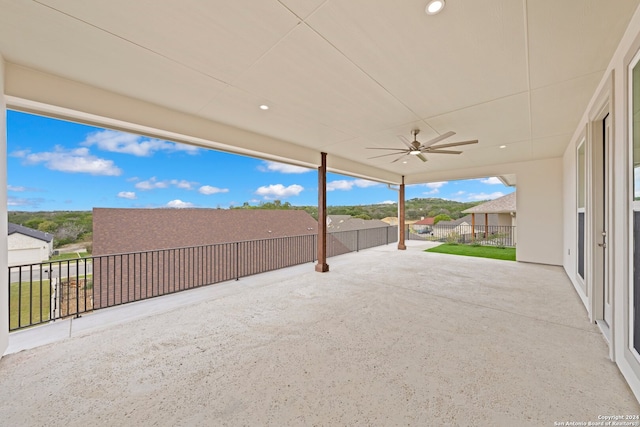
(385, 338)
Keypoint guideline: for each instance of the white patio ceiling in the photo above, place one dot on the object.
(338, 75)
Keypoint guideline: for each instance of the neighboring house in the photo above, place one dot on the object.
(133, 230)
(500, 211)
(390, 220)
(425, 225)
(161, 245)
(393, 220)
(28, 246)
(344, 236)
(337, 223)
(460, 226)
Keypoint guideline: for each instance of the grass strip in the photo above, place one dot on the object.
(507, 254)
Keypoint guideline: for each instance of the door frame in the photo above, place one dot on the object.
(598, 257)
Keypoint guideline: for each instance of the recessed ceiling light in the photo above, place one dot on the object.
(405, 162)
(434, 6)
(264, 107)
(503, 146)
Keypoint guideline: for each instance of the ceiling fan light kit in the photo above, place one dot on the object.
(415, 148)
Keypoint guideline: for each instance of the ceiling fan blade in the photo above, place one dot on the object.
(438, 139)
(378, 148)
(385, 155)
(405, 154)
(455, 144)
(405, 141)
(421, 157)
(443, 151)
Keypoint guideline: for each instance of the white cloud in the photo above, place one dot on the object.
(485, 196)
(208, 190)
(179, 204)
(460, 193)
(127, 195)
(346, 185)
(21, 202)
(340, 185)
(269, 166)
(120, 142)
(388, 202)
(183, 184)
(18, 189)
(436, 185)
(279, 191)
(77, 160)
(491, 181)
(151, 184)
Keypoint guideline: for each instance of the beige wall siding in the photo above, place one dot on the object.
(27, 250)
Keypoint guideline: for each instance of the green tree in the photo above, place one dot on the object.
(47, 226)
(441, 217)
(34, 223)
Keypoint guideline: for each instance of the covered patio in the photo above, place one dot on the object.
(387, 338)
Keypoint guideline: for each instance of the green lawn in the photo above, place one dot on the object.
(32, 302)
(29, 313)
(508, 254)
(72, 255)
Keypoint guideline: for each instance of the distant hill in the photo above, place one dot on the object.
(414, 208)
(76, 226)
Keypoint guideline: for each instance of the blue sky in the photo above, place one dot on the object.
(58, 165)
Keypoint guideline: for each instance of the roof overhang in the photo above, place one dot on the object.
(339, 77)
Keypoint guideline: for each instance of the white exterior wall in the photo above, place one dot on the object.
(539, 203)
(504, 220)
(24, 249)
(614, 87)
(4, 283)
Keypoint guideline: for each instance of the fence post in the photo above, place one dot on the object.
(237, 260)
(357, 240)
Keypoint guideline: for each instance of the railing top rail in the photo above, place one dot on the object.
(186, 247)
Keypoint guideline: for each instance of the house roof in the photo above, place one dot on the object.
(425, 221)
(504, 204)
(348, 223)
(132, 230)
(393, 220)
(479, 221)
(504, 72)
(36, 234)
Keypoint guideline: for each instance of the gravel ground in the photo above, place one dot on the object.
(385, 338)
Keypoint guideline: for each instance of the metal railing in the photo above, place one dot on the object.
(491, 235)
(40, 293)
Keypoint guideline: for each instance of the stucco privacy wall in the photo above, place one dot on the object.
(539, 203)
(4, 281)
(613, 86)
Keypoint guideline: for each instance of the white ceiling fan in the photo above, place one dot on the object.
(415, 148)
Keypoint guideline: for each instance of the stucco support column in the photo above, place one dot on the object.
(4, 280)
(322, 266)
(401, 245)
